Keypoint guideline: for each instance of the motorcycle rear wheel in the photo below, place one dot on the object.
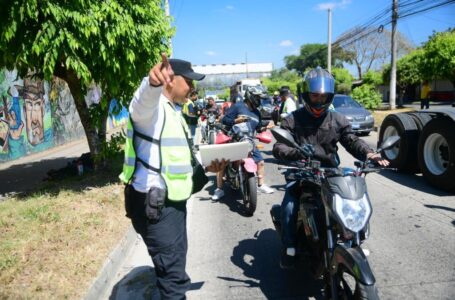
(250, 194)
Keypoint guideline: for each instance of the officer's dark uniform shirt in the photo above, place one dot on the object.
(323, 133)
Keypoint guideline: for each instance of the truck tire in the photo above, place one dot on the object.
(436, 152)
(421, 119)
(404, 155)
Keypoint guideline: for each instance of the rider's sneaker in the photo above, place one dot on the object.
(218, 194)
(265, 189)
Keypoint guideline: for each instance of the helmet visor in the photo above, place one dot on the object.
(321, 85)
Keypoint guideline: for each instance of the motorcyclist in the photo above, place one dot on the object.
(315, 124)
(247, 111)
(211, 107)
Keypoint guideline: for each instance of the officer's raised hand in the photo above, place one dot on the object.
(161, 73)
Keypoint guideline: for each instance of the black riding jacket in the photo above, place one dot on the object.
(323, 133)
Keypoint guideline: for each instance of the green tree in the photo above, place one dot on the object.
(313, 55)
(367, 96)
(408, 72)
(109, 43)
(439, 61)
(373, 78)
(369, 48)
(282, 77)
(343, 80)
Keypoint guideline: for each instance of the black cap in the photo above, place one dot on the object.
(183, 68)
(284, 91)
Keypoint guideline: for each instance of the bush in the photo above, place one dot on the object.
(367, 96)
(343, 88)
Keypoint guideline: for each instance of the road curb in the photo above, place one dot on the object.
(111, 266)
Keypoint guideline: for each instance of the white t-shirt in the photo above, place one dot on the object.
(147, 116)
(289, 107)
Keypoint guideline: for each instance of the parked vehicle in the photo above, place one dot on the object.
(237, 90)
(242, 174)
(266, 108)
(362, 122)
(333, 221)
(427, 144)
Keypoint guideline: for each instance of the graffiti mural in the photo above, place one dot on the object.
(36, 115)
(66, 123)
(26, 116)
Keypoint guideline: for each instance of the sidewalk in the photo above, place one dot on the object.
(27, 173)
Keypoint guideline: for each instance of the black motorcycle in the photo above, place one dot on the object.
(333, 220)
(210, 120)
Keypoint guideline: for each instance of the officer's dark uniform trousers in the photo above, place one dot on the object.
(166, 242)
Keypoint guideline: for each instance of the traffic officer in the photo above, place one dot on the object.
(158, 171)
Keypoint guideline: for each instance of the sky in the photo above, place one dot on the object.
(260, 31)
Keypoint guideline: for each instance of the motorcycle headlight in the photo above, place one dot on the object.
(354, 214)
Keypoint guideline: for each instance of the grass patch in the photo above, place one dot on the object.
(379, 115)
(54, 241)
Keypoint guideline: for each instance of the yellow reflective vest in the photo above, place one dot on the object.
(175, 155)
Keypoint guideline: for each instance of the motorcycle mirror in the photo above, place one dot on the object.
(283, 136)
(389, 142)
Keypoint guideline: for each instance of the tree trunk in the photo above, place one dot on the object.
(90, 129)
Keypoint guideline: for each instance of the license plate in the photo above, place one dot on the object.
(355, 126)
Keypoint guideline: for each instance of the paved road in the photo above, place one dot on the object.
(232, 256)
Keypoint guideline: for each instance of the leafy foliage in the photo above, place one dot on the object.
(367, 96)
(439, 61)
(111, 43)
(313, 55)
(282, 77)
(343, 80)
(373, 78)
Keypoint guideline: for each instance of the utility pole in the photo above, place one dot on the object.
(329, 43)
(393, 70)
(246, 63)
(168, 16)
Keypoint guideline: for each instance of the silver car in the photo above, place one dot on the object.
(361, 120)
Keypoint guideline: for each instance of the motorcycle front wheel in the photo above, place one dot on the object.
(349, 288)
(212, 137)
(250, 189)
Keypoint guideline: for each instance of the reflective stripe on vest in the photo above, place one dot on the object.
(176, 168)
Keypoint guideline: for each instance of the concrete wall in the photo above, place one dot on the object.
(37, 115)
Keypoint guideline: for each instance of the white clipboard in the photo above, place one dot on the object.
(230, 151)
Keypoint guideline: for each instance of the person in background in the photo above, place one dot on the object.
(189, 112)
(236, 114)
(425, 95)
(225, 107)
(287, 103)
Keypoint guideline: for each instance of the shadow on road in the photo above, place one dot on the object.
(443, 208)
(414, 182)
(258, 257)
(139, 283)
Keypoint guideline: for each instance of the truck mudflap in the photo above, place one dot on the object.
(354, 261)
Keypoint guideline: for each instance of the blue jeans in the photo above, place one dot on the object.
(192, 129)
(289, 209)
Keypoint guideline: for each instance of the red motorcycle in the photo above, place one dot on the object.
(242, 174)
